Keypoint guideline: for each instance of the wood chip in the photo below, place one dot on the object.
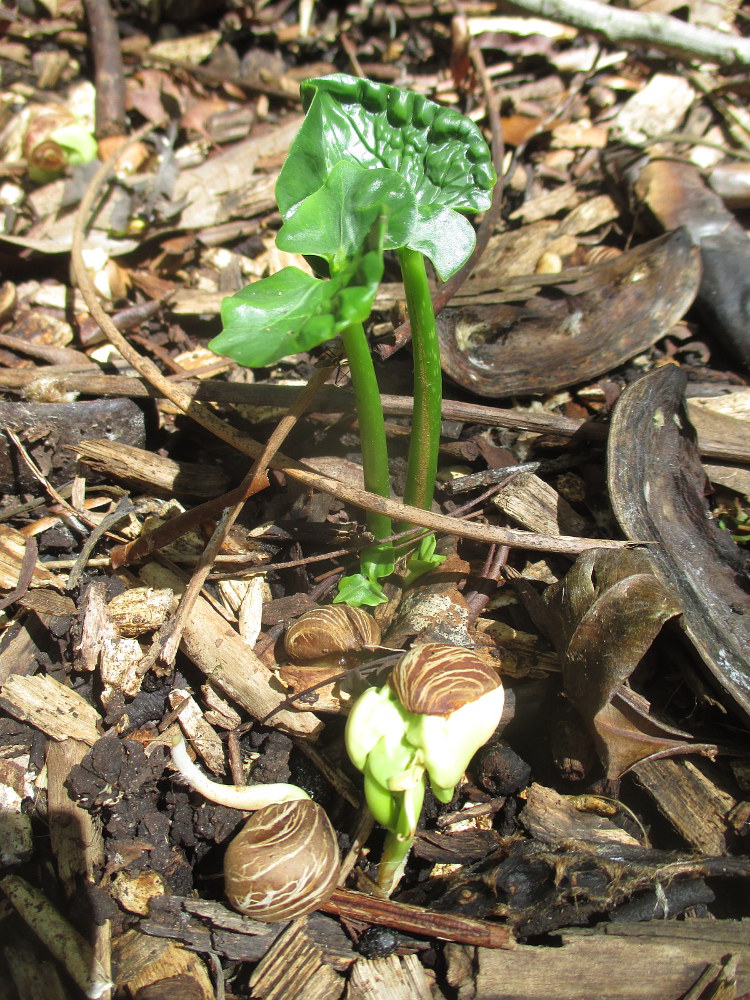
(199, 734)
(293, 969)
(391, 978)
(51, 707)
(12, 545)
(654, 960)
(219, 652)
(692, 802)
(535, 504)
(150, 471)
(550, 816)
(61, 938)
(75, 834)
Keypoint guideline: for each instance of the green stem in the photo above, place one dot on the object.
(371, 423)
(421, 468)
(393, 861)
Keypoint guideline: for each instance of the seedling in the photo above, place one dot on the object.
(441, 703)
(372, 168)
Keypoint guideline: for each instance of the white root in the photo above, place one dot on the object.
(246, 797)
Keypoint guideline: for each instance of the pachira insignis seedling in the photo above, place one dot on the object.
(440, 704)
(373, 168)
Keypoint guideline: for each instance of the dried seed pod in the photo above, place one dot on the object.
(438, 679)
(39, 149)
(283, 863)
(597, 255)
(334, 629)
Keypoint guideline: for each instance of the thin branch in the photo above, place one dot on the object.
(660, 31)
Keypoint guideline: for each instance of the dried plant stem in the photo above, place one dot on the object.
(660, 31)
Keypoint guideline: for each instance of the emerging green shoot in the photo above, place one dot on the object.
(441, 703)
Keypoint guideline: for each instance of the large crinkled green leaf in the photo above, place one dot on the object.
(335, 221)
(292, 311)
(439, 152)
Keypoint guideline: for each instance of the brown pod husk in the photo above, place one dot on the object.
(437, 679)
(334, 629)
(283, 863)
(580, 324)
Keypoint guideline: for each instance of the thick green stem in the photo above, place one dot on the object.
(371, 423)
(428, 383)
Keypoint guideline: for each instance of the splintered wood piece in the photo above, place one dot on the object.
(12, 546)
(182, 973)
(530, 501)
(695, 806)
(139, 610)
(390, 978)
(198, 732)
(549, 816)
(721, 435)
(95, 625)
(75, 834)
(219, 712)
(294, 969)
(118, 667)
(33, 973)
(63, 941)
(149, 471)
(54, 709)
(133, 952)
(219, 652)
(653, 960)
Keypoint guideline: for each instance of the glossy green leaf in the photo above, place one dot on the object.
(360, 591)
(336, 220)
(291, 311)
(439, 152)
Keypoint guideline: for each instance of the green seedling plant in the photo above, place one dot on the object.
(440, 704)
(373, 168)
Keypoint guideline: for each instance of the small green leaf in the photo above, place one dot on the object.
(423, 560)
(291, 311)
(336, 220)
(359, 590)
(378, 561)
(441, 155)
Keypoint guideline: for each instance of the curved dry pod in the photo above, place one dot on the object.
(582, 323)
(330, 630)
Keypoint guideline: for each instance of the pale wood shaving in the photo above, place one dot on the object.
(50, 706)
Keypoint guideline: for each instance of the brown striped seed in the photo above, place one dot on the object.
(333, 629)
(283, 863)
(438, 679)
